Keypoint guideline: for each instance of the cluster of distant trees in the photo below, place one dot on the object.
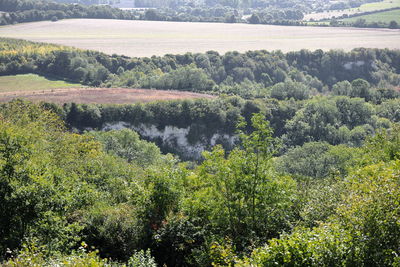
(28, 11)
(23, 5)
(237, 4)
(269, 16)
(251, 74)
(274, 13)
(193, 14)
(335, 120)
(224, 14)
(89, 2)
(362, 23)
(210, 71)
(255, 4)
(340, 5)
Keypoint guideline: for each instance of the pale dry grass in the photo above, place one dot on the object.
(147, 38)
(100, 95)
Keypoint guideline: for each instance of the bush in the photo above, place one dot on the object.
(32, 255)
(142, 259)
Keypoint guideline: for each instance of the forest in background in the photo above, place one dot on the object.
(250, 75)
(304, 172)
(290, 12)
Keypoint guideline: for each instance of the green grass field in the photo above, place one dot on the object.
(386, 17)
(31, 82)
(378, 5)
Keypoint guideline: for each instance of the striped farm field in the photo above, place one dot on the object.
(147, 38)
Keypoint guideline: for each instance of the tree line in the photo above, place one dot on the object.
(28, 11)
(253, 74)
(253, 12)
(20, 11)
(334, 120)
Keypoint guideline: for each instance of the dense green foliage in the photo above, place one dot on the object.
(58, 188)
(295, 75)
(363, 228)
(335, 120)
(19, 11)
(336, 204)
(233, 192)
(127, 145)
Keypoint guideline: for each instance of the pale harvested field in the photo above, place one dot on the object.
(100, 95)
(147, 38)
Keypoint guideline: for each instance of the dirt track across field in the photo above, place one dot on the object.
(100, 95)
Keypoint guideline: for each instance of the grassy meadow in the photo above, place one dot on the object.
(386, 17)
(31, 82)
(147, 38)
(386, 4)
